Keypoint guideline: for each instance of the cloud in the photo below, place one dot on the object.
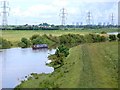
(60, 3)
(48, 10)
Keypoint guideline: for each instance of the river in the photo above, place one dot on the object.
(18, 63)
(112, 33)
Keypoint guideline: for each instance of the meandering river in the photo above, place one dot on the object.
(18, 63)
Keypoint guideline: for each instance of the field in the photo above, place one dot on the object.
(87, 66)
(16, 35)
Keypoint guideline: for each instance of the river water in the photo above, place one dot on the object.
(18, 63)
(112, 33)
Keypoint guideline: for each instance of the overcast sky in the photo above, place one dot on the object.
(40, 11)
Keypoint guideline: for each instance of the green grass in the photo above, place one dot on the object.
(87, 66)
(16, 35)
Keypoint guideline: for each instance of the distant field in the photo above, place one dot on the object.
(92, 65)
(15, 35)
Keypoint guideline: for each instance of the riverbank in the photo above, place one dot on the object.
(87, 66)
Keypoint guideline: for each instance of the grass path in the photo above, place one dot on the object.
(87, 76)
(99, 70)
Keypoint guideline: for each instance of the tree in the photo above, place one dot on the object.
(24, 43)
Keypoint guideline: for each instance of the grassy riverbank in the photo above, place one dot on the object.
(87, 66)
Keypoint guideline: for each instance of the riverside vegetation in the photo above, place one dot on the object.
(67, 39)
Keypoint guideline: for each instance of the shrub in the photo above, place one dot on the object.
(60, 54)
(71, 39)
(41, 40)
(34, 36)
(62, 49)
(103, 32)
(38, 40)
(88, 38)
(118, 36)
(24, 43)
(103, 39)
(112, 37)
(4, 44)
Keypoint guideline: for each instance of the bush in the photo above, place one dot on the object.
(24, 43)
(71, 39)
(112, 37)
(88, 38)
(60, 54)
(118, 36)
(103, 39)
(92, 38)
(41, 40)
(103, 32)
(4, 44)
(38, 40)
(62, 49)
(34, 36)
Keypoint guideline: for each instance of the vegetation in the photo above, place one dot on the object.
(65, 39)
(16, 35)
(4, 44)
(93, 65)
(118, 36)
(70, 39)
(112, 37)
(24, 43)
(57, 58)
(103, 32)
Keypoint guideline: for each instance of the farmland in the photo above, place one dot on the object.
(87, 66)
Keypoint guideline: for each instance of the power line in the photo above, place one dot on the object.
(63, 16)
(112, 19)
(89, 18)
(5, 13)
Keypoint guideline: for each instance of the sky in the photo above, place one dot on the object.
(48, 11)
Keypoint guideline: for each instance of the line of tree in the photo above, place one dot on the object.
(46, 26)
(67, 40)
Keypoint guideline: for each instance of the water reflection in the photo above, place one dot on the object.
(18, 63)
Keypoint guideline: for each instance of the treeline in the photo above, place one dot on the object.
(68, 40)
(45, 26)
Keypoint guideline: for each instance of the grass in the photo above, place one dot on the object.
(16, 35)
(87, 66)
